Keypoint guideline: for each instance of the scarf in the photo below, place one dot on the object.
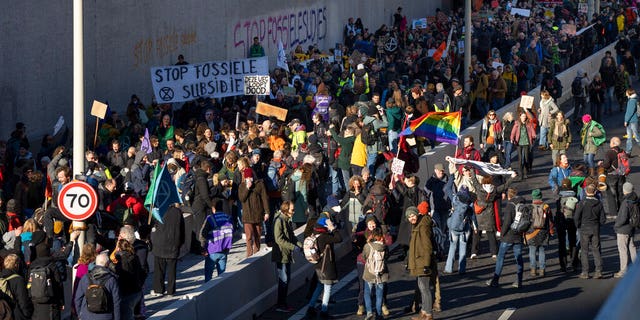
(559, 130)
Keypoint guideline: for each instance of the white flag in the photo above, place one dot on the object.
(487, 168)
(446, 50)
(58, 125)
(282, 57)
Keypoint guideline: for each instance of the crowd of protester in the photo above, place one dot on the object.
(328, 166)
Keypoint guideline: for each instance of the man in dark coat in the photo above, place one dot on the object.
(421, 257)
(326, 269)
(589, 216)
(624, 230)
(22, 305)
(166, 239)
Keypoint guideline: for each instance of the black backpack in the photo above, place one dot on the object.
(576, 87)
(41, 284)
(187, 188)
(369, 134)
(634, 214)
(97, 296)
(288, 189)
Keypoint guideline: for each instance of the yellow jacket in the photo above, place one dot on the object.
(359, 153)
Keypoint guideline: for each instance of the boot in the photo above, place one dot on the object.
(493, 282)
(533, 272)
(360, 311)
(541, 273)
(592, 172)
(422, 316)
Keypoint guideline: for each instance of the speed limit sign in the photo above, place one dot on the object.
(77, 200)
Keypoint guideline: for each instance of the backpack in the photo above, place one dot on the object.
(4, 288)
(568, 206)
(379, 206)
(522, 221)
(576, 87)
(288, 189)
(310, 248)
(40, 284)
(187, 188)
(538, 216)
(97, 296)
(458, 219)
(369, 135)
(634, 214)
(375, 262)
(623, 168)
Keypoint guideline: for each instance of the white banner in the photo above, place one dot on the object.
(214, 79)
(486, 168)
(522, 12)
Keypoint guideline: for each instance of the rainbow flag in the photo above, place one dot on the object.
(438, 126)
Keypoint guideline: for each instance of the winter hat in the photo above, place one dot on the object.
(411, 211)
(332, 201)
(247, 173)
(423, 208)
(627, 188)
(11, 205)
(580, 73)
(463, 194)
(586, 118)
(536, 194)
(438, 166)
(322, 222)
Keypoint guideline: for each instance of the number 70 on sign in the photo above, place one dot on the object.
(77, 200)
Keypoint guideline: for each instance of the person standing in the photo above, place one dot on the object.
(631, 119)
(326, 268)
(459, 224)
(421, 258)
(538, 235)
(546, 112)
(255, 209)
(559, 136)
(510, 239)
(615, 179)
(580, 82)
(589, 216)
(22, 305)
(256, 50)
(286, 244)
(523, 135)
(103, 275)
(167, 238)
(376, 272)
(624, 229)
(565, 226)
(592, 135)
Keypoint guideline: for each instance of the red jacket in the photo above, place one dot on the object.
(13, 221)
(515, 133)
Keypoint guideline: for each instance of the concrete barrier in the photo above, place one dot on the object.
(254, 282)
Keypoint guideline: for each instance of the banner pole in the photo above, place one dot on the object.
(95, 135)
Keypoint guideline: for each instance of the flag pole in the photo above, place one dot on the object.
(458, 133)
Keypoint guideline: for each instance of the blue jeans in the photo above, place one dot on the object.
(541, 263)
(346, 175)
(589, 160)
(335, 181)
(393, 141)
(508, 149)
(457, 237)
(216, 260)
(326, 293)
(371, 163)
(517, 253)
(367, 297)
(543, 136)
(632, 131)
(608, 99)
(482, 106)
(283, 271)
(497, 103)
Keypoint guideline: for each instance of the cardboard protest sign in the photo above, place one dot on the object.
(397, 166)
(526, 102)
(257, 85)
(268, 110)
(98, 109)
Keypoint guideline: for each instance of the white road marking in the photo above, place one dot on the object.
(507, 314)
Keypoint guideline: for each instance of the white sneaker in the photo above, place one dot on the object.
(154, 294)
(494, 257)
(473, 256)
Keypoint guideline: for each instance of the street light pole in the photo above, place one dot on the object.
(78, 102)
(467, 45)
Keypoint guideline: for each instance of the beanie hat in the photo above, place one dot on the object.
(586, 118)
(322, 222)
(423, 207)
(463, 194)
(11, 205)
(371, 217)
(536, 194)
(627, 188)
(411, 211)
(247, 173)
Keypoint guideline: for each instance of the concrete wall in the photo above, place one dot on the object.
(123, 39)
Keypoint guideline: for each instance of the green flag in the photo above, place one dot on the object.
(149, 199)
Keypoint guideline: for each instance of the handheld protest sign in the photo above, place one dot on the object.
(257, 85)
(77, 200)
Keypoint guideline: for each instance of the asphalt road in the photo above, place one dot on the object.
(556, 296)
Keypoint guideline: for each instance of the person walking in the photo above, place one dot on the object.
(286, 244)
(421, 258)
(376, 272)
(326, 268)
(592, 135)
(538, 235)
(624, 230)
(589, 217)
(511, 239)
(631, 119)
(216, 239)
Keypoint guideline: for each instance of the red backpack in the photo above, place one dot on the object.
(623, 168)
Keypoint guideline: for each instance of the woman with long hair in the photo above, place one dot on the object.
(559, 136)
(523, 135)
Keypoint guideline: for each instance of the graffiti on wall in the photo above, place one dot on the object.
(293, 27)
(145, 50)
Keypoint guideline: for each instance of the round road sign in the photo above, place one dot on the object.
(77, 200)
